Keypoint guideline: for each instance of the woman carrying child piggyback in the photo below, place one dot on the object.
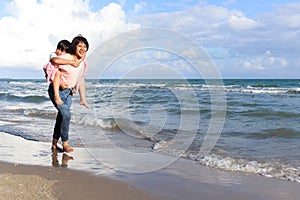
(52, 73)
(72, 79)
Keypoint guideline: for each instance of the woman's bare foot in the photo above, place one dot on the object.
(57, 149)
(67, 148)
(54, 147)
(58, 100)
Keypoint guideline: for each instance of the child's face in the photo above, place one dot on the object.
(60, 52)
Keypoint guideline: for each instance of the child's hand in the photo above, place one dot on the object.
(74, 91)
(75, 63)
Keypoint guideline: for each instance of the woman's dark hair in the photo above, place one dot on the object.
(74, 43)
(63, 45)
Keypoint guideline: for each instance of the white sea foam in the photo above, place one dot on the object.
(169, 148)
(204, 87)
(21, 83)
(250, 89)
(91, 121)
(267, 169)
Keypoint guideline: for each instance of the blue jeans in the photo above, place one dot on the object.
(63, 118)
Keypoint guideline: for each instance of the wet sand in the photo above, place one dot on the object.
(38, 172)
(36, 182)
(30, 170)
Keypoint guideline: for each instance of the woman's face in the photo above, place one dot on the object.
(80, 50)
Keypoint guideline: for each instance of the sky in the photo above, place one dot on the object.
(243, 38)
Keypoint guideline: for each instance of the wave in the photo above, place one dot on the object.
(265, 168)
(38, 113)
(26, 83)
(253, 88)
(268, 168)
(121, 125)
(268, 113)
(259, 85)
(26, 99)
(123, 84)
(108, 123)
(294, 91)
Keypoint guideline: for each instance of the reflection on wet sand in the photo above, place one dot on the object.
(64, 160)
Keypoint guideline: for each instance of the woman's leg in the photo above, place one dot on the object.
(57, 133)
(57, 129)
(64, 109)
(63, 118)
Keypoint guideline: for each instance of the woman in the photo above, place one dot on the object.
(74, 78)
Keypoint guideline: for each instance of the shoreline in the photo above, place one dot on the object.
(184, 179)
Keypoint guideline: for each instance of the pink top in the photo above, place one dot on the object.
(72, 75)
(50, 69)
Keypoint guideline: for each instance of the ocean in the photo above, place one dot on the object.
(260, 133)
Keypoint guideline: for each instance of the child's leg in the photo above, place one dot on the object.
(56, 84)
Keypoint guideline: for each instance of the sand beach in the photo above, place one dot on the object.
(37, 174)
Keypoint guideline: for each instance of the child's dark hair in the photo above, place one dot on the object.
(75, 41)
(63, 45)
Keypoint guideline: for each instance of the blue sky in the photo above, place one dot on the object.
(245, 39)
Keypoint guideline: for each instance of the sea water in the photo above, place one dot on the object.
(261, 131)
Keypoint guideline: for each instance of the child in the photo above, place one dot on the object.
(51, 68)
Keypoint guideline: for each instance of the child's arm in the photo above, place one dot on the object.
(62, 61)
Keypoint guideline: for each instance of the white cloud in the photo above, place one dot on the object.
(245, 39)
(239, 22)
(162, 56)
(138, 7)
(248, 65)
(228, 2)
(285, 15)
(208, 24)
(264, 62)
(266, 43)
(33, 28)
(189, 53)
(220, 27)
